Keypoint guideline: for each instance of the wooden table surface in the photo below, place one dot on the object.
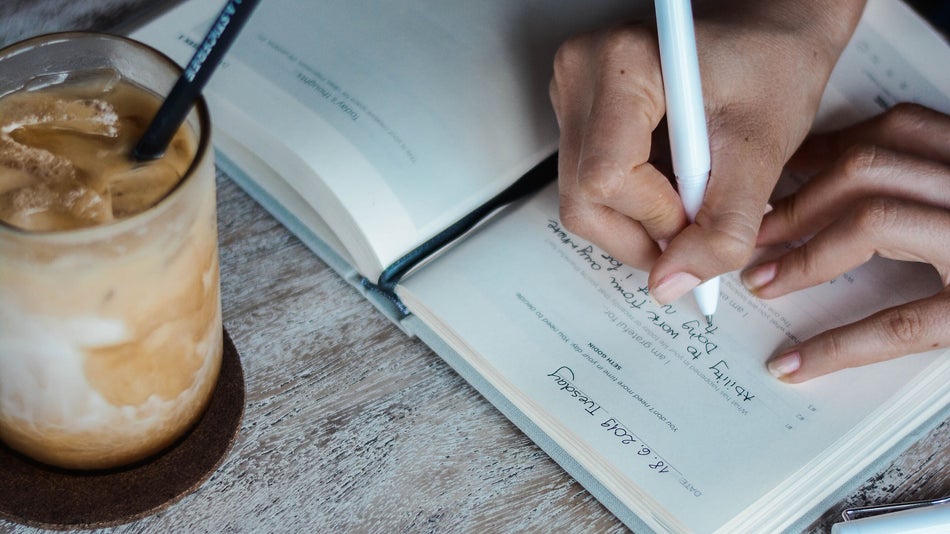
(351, 426)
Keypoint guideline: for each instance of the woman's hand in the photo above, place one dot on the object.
(764, 66)
(882, 188)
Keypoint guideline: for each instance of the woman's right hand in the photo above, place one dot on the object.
(764, 66)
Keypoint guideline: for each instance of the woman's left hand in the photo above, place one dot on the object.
(882, 188)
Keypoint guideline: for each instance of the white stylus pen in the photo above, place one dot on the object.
(686, 119)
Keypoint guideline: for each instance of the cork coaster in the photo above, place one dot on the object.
(42, 496)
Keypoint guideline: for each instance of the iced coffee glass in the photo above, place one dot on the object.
(110, 316)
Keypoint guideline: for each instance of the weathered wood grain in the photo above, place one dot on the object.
(351, 426)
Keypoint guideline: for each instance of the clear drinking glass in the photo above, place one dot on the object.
(110, 336)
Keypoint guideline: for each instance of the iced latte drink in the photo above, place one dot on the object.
(110, 321)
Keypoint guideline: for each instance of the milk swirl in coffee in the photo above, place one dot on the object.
(110, 326)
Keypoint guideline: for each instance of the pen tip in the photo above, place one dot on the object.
(709, 320)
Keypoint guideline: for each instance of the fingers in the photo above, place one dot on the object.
(608, 98)
(613, 166)
(910, 328)
(888, 227)
(870, 201)
(908, 128)
(863, 170)
(618, 235)
(758, 111)
(745, 168)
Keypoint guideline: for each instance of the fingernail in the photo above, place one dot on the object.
(673, 287)
(758, 277)
(663, 243)
(785, 364)
(768, 207)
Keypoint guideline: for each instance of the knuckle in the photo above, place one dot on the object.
(873, 216)
(619, 42)
(806, 262)
(601, 179)
(612, 46)
(789, 209)
(834, 348)
(904, 117)
(857, 161)
(569, 58)
(734, 253)
(574, 220)
(902, 326)
(657, 214)
(553, 96)
(730, 251)
(733, 239)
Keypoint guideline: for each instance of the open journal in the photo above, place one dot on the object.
(381, 132)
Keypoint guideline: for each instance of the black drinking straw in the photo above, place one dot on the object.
(186, 90)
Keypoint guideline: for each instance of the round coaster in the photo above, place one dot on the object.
(42, 496)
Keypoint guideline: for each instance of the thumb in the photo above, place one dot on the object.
(723, 235)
